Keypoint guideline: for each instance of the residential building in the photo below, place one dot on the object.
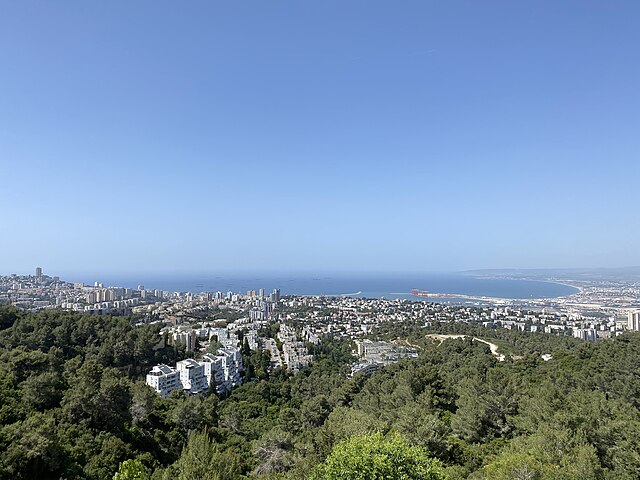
(186, 337)
(191, 376)
(163, 379)
(223, 369)
(213, 372)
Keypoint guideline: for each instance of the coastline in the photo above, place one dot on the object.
(564, 283)
(491, 299)
(579, 288)
(440, 287)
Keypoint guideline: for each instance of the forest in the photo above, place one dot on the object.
(74, 405)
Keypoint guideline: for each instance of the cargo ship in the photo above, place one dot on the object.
(419, 293)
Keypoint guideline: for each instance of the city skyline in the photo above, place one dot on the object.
(360, 136)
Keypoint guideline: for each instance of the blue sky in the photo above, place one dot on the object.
(337, 135)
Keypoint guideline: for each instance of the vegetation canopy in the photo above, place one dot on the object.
(74, 405)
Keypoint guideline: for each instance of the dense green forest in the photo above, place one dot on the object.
(73, 405)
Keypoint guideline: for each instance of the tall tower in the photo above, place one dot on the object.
(39, 274)
(275, 295)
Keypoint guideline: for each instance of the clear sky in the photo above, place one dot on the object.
(327, 135)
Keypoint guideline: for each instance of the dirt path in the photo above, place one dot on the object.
(405, 341)
(492, 346)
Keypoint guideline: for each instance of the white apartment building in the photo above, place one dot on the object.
(633, 321)
(192, 376)
(163, 379)
(222, 370)
(231, 359)
(214, 372)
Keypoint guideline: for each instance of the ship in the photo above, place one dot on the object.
(419, 293)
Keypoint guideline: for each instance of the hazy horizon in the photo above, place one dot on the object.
(305, 273)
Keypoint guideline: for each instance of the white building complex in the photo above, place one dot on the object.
(163, 379)
(221, 371)
(192, 376)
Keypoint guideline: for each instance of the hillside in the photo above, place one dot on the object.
(73, 405)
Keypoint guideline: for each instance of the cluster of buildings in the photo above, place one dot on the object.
(294, 352)
(597, 296)
(584, 328)
(199, 338)
(183, 307)
(600, 306)
(222, 322)
(222, 371)
(354, 318)
(40, 291)
(33, 292)
(305, 320)
(375, 355)
(287, 350)
(218, 372)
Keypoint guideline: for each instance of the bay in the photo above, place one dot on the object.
(372, 286)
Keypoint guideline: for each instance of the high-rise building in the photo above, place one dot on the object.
(275, 295)
(39, 274)
(633, 321)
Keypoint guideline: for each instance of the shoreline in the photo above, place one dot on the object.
(444, 296)
(484, 298)
(579, 289)
(199, 287)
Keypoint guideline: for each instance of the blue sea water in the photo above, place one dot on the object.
(388, 286)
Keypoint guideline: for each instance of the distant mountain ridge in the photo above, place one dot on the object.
(604, 273)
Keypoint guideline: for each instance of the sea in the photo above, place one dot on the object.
(356, 285)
